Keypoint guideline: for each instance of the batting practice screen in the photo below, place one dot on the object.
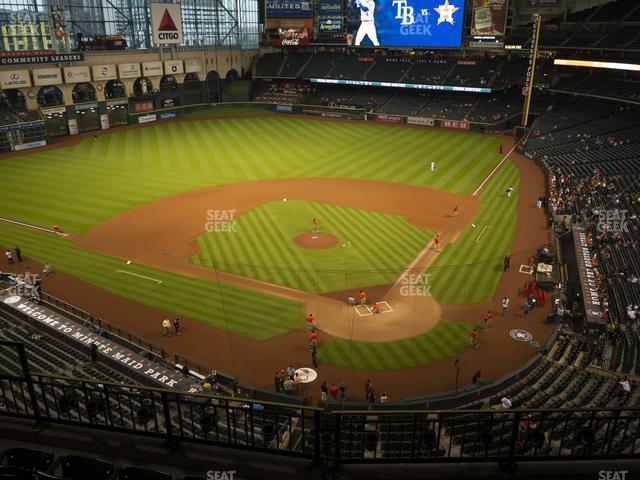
(406, 23)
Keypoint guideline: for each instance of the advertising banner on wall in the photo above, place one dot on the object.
(152, 69)
(147, 118)
(104, 72)
(46, 76)
(329, 25)
(166, 19)
(389, 118)
(15, 79)
(454, 124)
(104, 121)
(489, 17)
(193, 65)
(289, 8)
(73, 126)
(129, 70)
(429, 122)
(172, 67)
(76, 74)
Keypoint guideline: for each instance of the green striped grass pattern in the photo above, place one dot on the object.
(80, 186)
(83, 185)
(261, 246)
(242, 311)
(445, 340)
(469, 270)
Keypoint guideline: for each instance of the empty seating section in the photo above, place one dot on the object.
(430, 71)
(389, 69)
(351, 67)
(269, 64)
(293, 64)
(406, 103)
(320, 65)
(479, 72)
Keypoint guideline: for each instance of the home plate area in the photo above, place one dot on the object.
(366, 310)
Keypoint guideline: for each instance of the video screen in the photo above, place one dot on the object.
(406, 23)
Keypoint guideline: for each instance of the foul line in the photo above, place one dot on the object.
(495, 169)
(478, 239)
(141, 276)
(34, 227)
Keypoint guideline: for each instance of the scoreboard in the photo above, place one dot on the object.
(406, 23)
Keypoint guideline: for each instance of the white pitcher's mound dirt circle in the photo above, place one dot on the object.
(316, 240)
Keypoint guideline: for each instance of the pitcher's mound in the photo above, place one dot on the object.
(316, 240)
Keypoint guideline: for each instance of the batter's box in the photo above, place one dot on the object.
(385, 307)
(363, 310)
(528, 269)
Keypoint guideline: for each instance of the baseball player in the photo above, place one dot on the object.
(367, 24)
(436, 243)
(314, 223)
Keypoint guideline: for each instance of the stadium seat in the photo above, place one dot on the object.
(135, 473)
(76, 467)
(27, 458)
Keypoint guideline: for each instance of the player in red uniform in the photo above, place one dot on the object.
(436, 242)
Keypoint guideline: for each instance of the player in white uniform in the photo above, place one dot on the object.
(367, 23)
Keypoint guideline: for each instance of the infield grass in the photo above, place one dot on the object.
(261, 246)
(445, 340)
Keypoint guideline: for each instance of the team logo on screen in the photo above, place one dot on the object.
(446, 12)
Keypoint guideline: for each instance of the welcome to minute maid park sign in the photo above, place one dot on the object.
(107, 348)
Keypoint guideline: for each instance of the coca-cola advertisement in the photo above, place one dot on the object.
(289, 37)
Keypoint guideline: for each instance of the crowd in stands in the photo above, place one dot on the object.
(590, 152)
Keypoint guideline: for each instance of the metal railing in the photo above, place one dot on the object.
(332, 437)
(125, 337)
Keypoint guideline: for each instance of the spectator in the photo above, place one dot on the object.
(333, 392)
(166, 325)
(367, 387)
(290, 371)
(289, 386)
(476, 377)
(176, 325)
(505, 306)
(324, 391)
(343, 392)
(277, 383)
(506, 402)
(47, 270)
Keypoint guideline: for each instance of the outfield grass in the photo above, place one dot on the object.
(264, 237)
(445, 340)
(469, 270)
(83, 185)
(220, 305)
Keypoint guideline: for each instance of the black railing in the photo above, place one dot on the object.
(127, 338)
(333, 437)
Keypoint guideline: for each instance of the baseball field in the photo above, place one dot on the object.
(215, 215)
